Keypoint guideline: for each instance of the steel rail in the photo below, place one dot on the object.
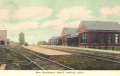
(38, 57)
(100, 58)
(49, 60)
(24, 57)
(94, 56)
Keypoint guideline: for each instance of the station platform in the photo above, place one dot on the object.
(46, 51)
(82, 48)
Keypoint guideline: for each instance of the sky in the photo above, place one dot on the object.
(41, 19)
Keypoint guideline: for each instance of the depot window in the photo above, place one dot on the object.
(96, 38)
(83, 38)
(109, 38)
(102, 38)
(116, 38)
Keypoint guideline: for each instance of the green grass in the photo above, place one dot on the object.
(79, 62)
(115, 49)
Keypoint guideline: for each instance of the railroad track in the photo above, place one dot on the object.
(95, 57)
(23, 57)
(41, 62)
(114, 58)
(98, 56)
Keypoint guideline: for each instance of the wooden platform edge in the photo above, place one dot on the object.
(3, 66)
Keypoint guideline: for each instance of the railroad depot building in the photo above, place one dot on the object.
(56, 40)
(92, 33)
(99, 33)
(69, 37)
(3, 37)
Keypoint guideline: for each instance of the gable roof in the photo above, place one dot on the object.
(73, 35)
(70, 31)
(55, 37)
(101, 25)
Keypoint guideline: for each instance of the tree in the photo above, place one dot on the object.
(21, 38)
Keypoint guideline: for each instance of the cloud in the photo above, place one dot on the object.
(4, 15)
(22, 25)
(59, 24)
(52, 23)
(31, 13)
(110, 11)
(28, 12)
(76, 12)
(73, 24)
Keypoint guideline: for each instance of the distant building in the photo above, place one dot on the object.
(41, 43)
(55, 40)
(3, 37)
(21, 38)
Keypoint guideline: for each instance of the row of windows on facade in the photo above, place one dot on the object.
(103, 38)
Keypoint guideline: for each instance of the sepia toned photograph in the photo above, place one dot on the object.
(60, 35)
